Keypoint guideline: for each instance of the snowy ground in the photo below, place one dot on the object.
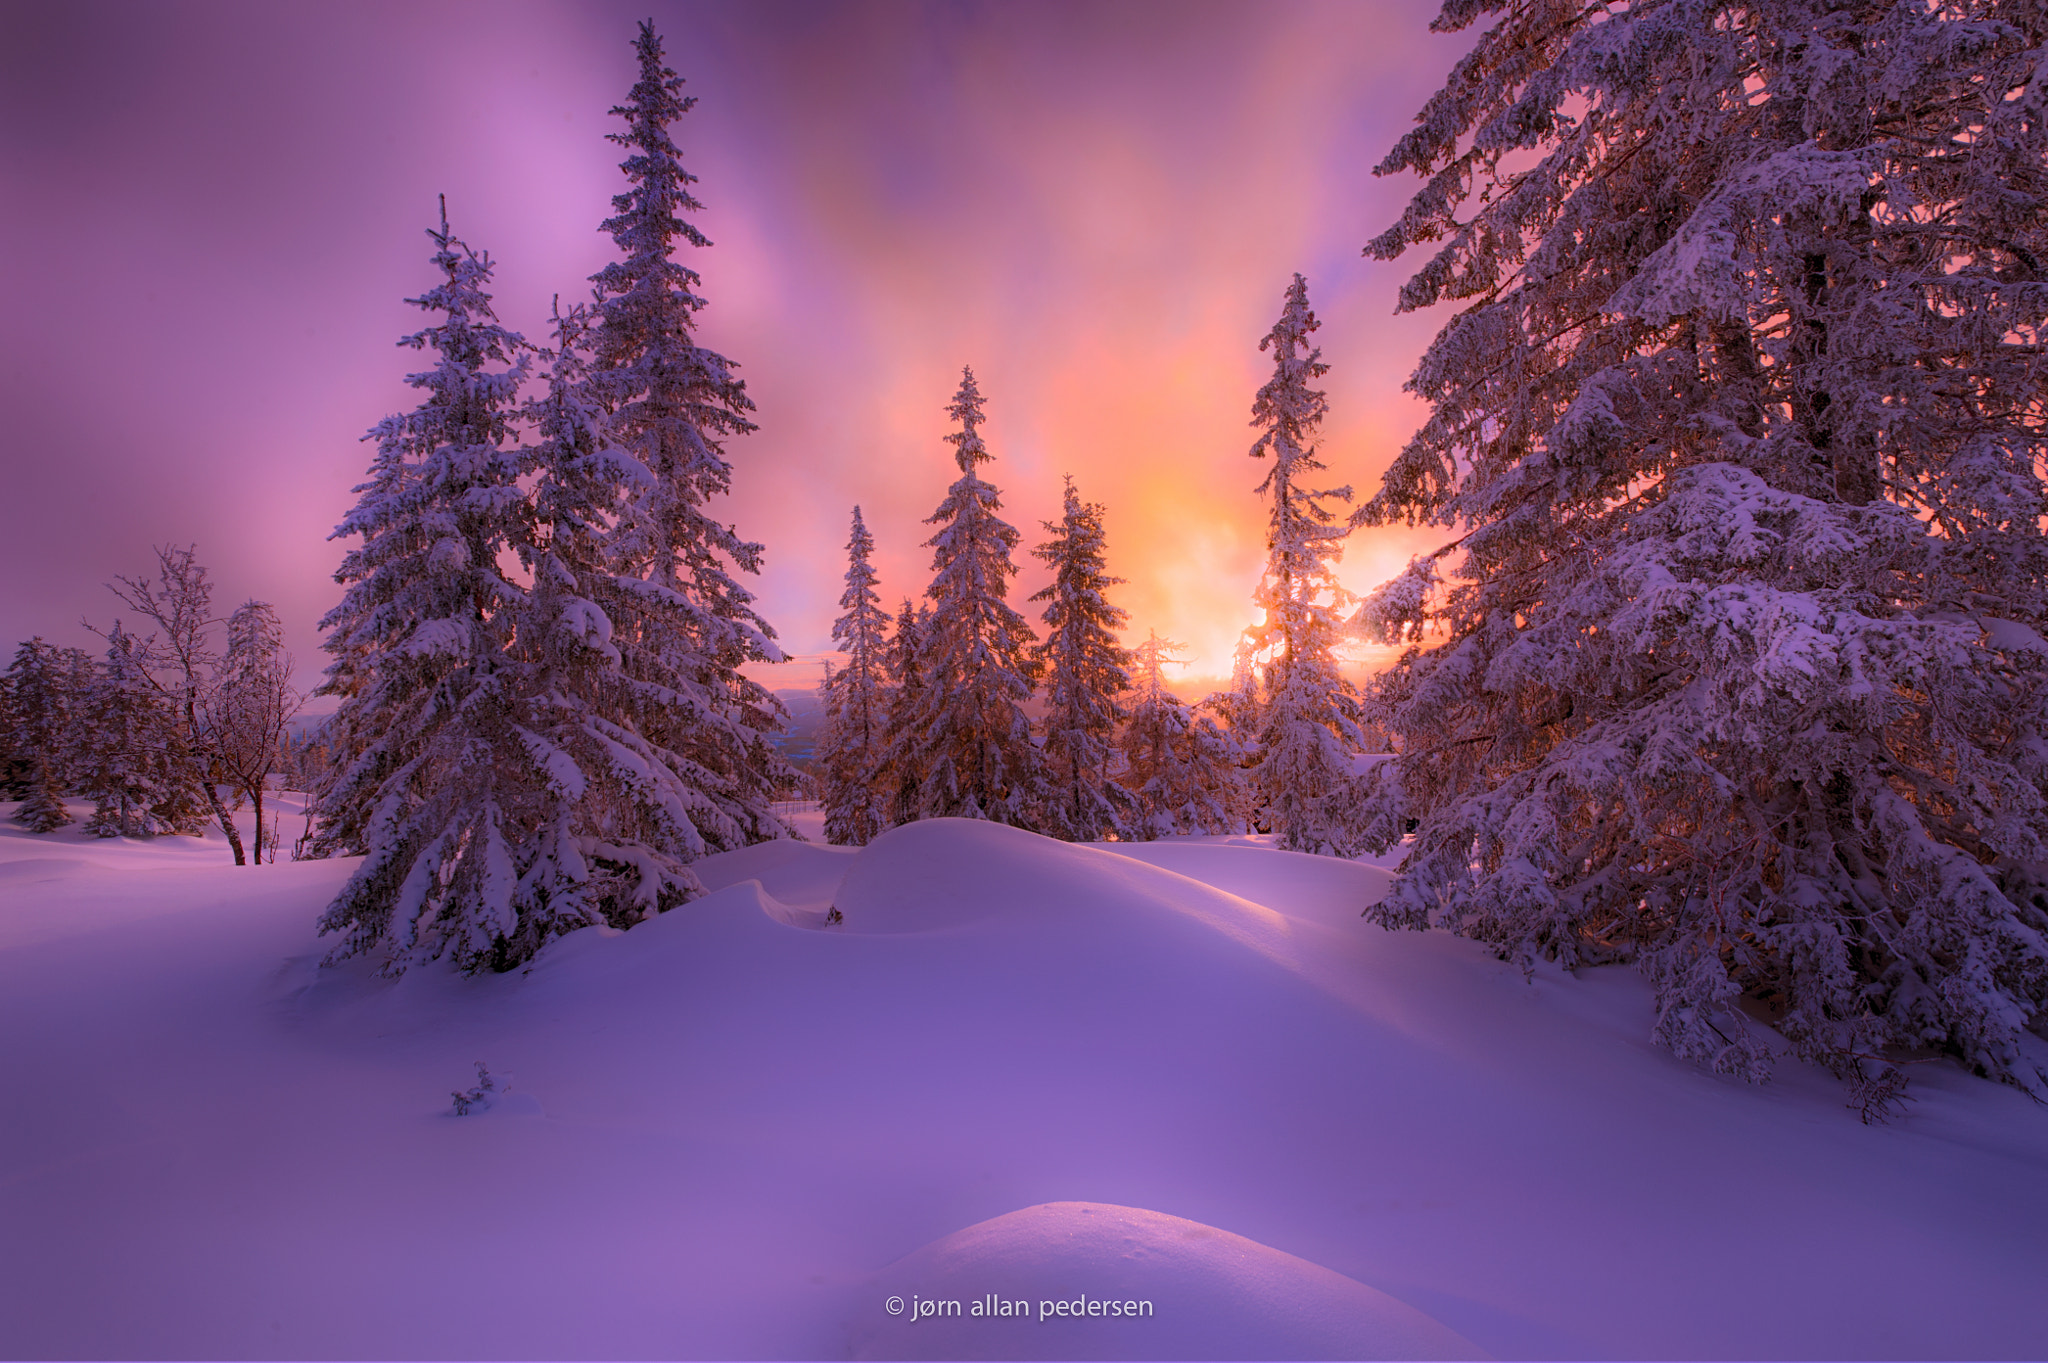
(1182, 1074)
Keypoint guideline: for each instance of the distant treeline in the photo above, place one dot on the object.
(166, 731)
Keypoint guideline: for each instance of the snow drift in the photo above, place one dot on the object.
(724, 1127)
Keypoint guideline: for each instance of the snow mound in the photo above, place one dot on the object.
(942, 874)
(1210, 1294)
(932, 875)
(799, 878)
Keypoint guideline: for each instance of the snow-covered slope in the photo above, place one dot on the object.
(735, 1131)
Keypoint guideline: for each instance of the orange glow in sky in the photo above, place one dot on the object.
(1098, 207)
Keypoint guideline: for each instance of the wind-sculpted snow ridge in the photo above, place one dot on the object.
(716, 1133)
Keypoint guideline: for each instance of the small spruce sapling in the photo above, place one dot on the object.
(479, 1096)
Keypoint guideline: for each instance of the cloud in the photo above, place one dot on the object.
(1096, 206)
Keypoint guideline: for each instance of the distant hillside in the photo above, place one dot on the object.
(806, 725)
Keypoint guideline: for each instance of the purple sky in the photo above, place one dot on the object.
(210, 216)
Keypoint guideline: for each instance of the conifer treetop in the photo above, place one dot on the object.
(1151, 659)
(647, 215)
(968, 449)
(1303, 536)
(860, 573)
(860, 629)
(1286, 409)
(670, 397)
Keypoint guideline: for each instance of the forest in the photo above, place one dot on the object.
(1729, 666)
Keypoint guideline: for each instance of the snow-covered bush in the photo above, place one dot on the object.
(479, 1096)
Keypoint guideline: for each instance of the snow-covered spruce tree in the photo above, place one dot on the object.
(434, 784)
(853, 754)
(135, 766)
(973, 741)
(1182, 767)
(1086, 672)
(687, 625)
(1236, 706)
(1740, 673)
(40, 712)
(619, 811)
(1307, 725)
(904, 664)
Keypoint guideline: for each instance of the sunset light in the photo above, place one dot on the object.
(993, 679)
(1097, 211)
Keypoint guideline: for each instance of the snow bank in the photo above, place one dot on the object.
(1017, 1286)
(722, 1127)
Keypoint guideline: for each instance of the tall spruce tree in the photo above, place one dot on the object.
(684, 631)
(974, 749)
(1086, 673)
(436, 789)
(1739, 668)
(614, 811)
(853, 756)
(1307, 724)
(1182, 767)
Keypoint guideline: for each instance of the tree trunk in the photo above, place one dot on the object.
(227, 822)
(256, 803)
